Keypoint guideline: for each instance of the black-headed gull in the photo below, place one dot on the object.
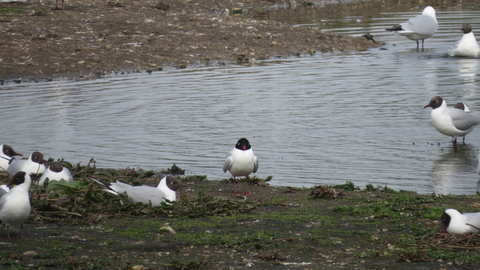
(55, 172)
(33, 165)
(6, 155)
(15, 202)
(467, 46)
(462, 106)
(451, 121)
(241, 161)
(456, 223)
(166, 190)
(418, 28)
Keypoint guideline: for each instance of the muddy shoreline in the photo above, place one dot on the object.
(79, 226)
(95, 38)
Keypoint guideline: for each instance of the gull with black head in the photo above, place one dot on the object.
(451, 121)
(467, 46)
(456, 223)
(15, 202)
(6, 155)
(241, 161)
(165, 191)
(55, 172)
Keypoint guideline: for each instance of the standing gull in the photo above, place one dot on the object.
(241, 161)
(418, 28)
(6, 155)
(15, 202)
(467, 46)
(462, 106)
(451, 121)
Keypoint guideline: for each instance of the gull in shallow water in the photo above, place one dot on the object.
(166, 190)
(467, 46)
(241, 161)
(456, 223)
(15, 202)
(6, 155)
(462, 106)
(451, 121)
(418, 28)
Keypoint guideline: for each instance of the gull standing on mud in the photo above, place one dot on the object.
(6, 156)
(241, 161)
(451, 121)
(15, 202)
(456, 223)
(418, 28)
(56, 172)
(166, 190)
(467, 46)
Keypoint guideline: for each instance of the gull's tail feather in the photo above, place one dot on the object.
(396, 28)
(106, 185)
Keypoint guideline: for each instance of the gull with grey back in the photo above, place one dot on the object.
(418, 28)
(241, 161)
(166, 190)
(456, 223)
(33, 165)
(451, 121)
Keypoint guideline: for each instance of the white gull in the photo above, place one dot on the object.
(241, 161)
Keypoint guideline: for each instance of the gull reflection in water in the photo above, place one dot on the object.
(452, 172)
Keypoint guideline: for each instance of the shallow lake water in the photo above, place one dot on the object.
(328, 118)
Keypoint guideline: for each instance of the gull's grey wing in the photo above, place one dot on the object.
(463, 120)
(228, 163)
(473, 219)
(146, 194)
(422, 24)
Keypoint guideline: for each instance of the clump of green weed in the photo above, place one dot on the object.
(349, 186)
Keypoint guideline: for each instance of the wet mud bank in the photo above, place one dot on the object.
(95, 38)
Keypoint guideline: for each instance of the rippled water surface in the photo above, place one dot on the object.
(312, 120)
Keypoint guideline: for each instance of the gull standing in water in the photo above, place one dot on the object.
(241, 161)
(462, 106)
(418, 28)
(467, 46)
(451, 121)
